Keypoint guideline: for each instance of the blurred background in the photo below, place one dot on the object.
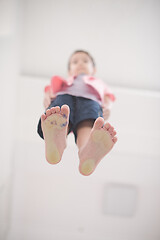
(121, 199)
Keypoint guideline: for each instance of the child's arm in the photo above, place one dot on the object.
(48, 97)
(107, 105)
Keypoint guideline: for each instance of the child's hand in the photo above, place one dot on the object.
(106, 112)
(106, 107)
(48, 97)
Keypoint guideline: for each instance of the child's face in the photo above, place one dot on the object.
(81, 63)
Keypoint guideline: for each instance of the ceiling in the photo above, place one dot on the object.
(123, 37)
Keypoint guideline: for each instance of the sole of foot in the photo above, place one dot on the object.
(101, 140)
(54, 126)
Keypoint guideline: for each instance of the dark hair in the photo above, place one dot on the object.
(81, 51)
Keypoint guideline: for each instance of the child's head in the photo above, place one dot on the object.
(81, 62)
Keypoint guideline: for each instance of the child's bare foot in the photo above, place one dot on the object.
(54, 126)
(100, 142)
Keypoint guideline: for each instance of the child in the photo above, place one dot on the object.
(78, 104)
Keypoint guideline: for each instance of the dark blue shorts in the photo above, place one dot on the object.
(80, 109)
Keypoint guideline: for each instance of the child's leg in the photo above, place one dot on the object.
(94, 143)
(83, 132)
(55, 126)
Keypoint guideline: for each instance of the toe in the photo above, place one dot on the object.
(65, 111)
(107, 126)
(53, 110)
(114, 139)
(113, 133)
(98, 123)
(57, 109)
(110, 130)
(43, 117)
(48, 112)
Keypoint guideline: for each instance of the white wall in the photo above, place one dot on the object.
(120, 200)
(123, 37)
(8, 75)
